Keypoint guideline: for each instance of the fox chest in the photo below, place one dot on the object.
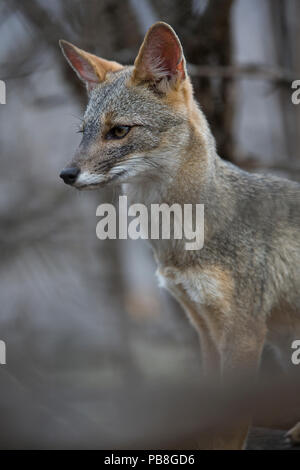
(211, 287)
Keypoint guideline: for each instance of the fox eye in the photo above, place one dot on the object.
(81, 128)
(117, 132)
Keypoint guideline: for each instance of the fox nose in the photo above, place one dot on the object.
(69, 175)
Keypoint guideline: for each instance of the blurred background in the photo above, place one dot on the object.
(97, 355)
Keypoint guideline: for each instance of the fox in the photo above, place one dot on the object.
(143, 130)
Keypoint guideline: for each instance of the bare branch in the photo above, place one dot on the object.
(251, 71)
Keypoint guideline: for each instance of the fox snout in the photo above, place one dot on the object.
(81, 178)
(70, 174)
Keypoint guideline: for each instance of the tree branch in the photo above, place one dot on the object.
(250, 71)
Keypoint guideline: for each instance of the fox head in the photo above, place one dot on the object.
(138, 117)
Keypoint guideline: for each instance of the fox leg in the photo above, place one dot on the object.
(294, 434)
(284, 330)
(209, 351)
(240, 349)
(233, 352)
(227, 350)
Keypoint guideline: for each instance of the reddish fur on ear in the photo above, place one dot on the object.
(160, 56)
(89, 68)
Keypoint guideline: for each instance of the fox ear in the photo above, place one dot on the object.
(160, 59)
(89, 68)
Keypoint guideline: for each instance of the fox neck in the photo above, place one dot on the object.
(186, 171)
